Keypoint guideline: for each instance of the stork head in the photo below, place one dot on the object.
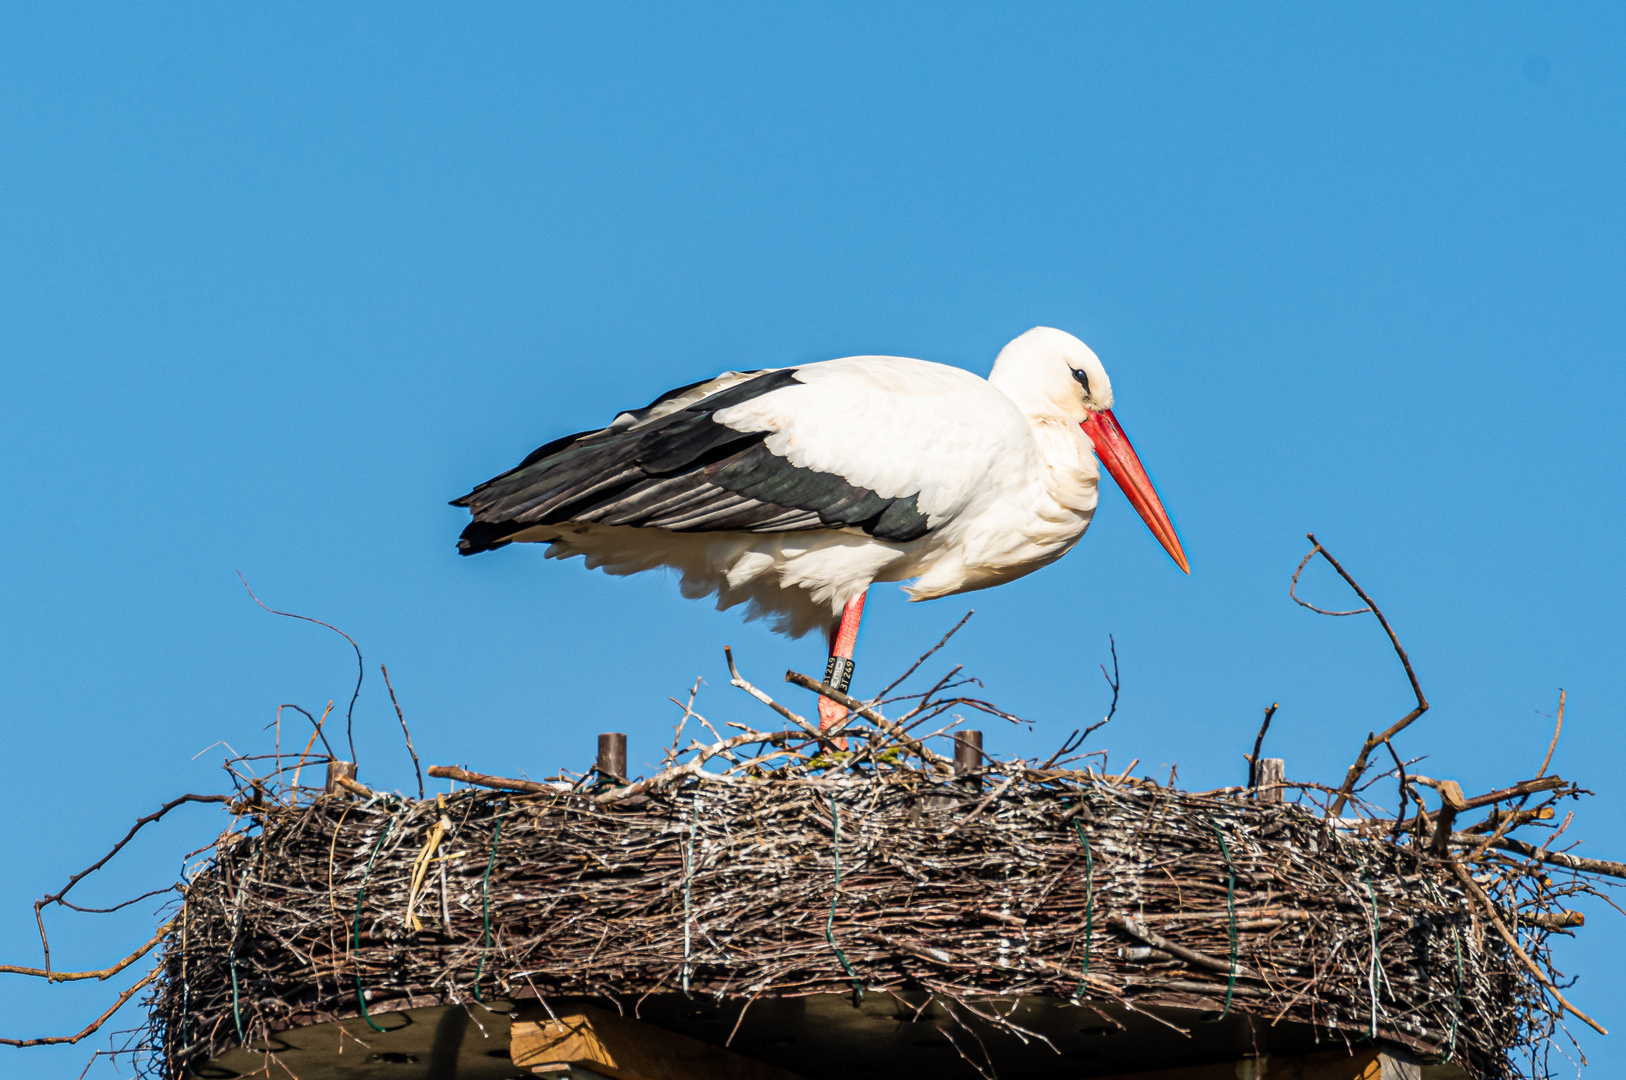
(1048, 371)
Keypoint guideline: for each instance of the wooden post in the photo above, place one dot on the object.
(337, 770)
(612, 755)
(1272, 775)
(967, 752)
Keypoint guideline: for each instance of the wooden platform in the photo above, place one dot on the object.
(823, 1037)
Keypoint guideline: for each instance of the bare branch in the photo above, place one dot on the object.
(402, 717)
(56, 897)
(1113, 681)
(856, 706)
(1513, 943)
(1603, 867)
(315, 722)
(1558, 729)
(927, 655)
(1507, 794)
(117, 907)
(1076, 739)
(1292, 588)
(1258, 743)
(738, 680)
(104, 974)
(501, 783)
(1373, 741)
(55, 1040)
(1400, 770)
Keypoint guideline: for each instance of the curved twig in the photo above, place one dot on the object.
(117, 907)
(361, 668)
(318, 724)
(1374, 740)
(56, 897)
(1292, 588)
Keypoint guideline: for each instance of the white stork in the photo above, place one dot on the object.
(792, 490)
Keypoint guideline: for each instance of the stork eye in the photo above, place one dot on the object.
(1083, 380)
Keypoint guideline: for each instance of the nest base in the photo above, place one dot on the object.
(828, 1036)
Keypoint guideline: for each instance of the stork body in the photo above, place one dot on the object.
(792, 490)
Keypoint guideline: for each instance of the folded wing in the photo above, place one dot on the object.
(675, 465)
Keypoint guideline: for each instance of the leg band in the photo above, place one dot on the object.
(838, 673)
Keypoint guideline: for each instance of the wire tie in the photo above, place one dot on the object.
(355, 933)
(1230, 911)
(829, 924)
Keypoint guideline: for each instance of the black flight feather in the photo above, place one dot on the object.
(683, 472)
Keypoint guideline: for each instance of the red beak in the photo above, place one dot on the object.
(1112, 447)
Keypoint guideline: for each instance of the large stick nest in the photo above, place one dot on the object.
(1013, 881)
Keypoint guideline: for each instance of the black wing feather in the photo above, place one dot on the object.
(683, 472)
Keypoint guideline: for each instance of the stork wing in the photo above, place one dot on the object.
(786, 450)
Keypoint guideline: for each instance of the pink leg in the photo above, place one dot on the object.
(839, 672)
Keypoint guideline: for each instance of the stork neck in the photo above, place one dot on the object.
(1067, 469)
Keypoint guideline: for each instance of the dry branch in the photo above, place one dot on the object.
(1530, 965)
(140, 823)
(936, 761)
(1603, 867)
(361, 669)
(103, 974)
(500, 783)
(1372, 741)
(405, 732)
(95, 1025)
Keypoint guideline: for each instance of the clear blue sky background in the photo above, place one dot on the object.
(276, 282)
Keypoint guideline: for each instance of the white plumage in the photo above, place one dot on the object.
(1002, 473)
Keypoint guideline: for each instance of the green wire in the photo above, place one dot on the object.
(1230, 911)
(485, 906)
(236, 1012)
(1089, 902)
(829, 924)
(1456, 999)
(186, 1007)
(355, 934)
(1372, 975)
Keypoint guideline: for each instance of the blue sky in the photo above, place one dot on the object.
(276, 282)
